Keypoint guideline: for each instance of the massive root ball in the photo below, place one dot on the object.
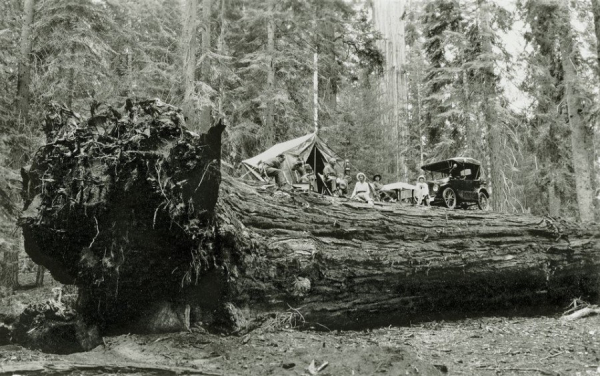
(121, 205)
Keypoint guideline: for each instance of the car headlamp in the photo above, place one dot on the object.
(436, 187)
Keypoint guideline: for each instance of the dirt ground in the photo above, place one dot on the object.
(541, 345)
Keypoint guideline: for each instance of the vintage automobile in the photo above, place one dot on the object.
(457, 182)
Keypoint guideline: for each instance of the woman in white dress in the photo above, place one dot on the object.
(422, 191)
(362, 190)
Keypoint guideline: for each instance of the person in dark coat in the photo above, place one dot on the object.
(379, 192)
(273, 169)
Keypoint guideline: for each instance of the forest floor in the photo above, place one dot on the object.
(492, 345)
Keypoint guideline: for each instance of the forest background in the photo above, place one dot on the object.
(391, 84)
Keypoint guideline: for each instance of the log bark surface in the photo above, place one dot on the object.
(347, 265)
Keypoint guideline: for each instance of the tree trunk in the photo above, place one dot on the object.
(154, 231)
(553, 201)
(206, 110)
(579, 145)
(596, 13)
(39, 275)
(328, 80)
(9, 267)
(9, 242)
(592, 139)
(420, 118)
(489, 106)
(71, 86)
(221, 48)
(315, 89)
(315, 102)
(24, 78)
(188, 56)
(470, 127)
(388, 20)
(270, 110)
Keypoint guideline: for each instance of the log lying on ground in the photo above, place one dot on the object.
(347, 265)
(132, 210)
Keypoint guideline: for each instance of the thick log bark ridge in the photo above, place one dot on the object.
(134, 211)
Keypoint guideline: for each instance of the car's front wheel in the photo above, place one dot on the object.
(449, 198)
(483, 202)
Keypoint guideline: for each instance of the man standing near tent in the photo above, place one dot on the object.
(272, 168)
(331, 175)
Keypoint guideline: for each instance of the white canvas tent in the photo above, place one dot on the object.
(310, 148)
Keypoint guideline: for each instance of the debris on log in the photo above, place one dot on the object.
(132, 208)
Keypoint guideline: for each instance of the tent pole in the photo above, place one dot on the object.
(315, 165)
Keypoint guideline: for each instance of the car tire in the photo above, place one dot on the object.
(483, 202)
(449, 197)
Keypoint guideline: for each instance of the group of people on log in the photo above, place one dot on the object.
(336, 183)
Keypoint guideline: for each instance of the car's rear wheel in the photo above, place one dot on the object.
(449, 198)
(483, 201)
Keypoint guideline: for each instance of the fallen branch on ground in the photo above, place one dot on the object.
(539, 370)
(587, 311)
(109, 368)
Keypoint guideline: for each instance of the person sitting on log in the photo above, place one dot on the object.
(299, 168)
(344, 182)
(272, 169)
(331, 176)
(362, 189)
(309, 177)
(379, 192)
(422, 191)
(305, 174)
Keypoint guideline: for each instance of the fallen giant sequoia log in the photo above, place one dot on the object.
(347, 265)
(133, 211)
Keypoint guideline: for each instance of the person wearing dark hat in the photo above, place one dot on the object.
(378, 188)
(377, 182)
(272, 168)
(362, 190)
